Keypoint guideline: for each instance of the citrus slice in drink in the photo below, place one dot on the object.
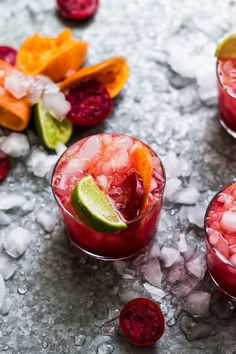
(51, 130)
(227, 48)
(143, 164)
(93, 208)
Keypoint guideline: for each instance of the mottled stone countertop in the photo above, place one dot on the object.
(64, 302)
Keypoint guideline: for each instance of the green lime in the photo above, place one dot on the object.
(93, 207)
(227, 48)
(51, 130)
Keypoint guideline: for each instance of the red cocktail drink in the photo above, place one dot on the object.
(226, 81)
(220, 226)
(114, 165)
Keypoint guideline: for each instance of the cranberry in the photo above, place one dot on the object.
(142, 322)
(4, 166)
(8, 54)
(90, 103)
(77, 9)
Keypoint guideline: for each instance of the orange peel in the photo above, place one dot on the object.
(53, 57)
(112, 73)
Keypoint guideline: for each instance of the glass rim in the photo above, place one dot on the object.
(205, 223)
(140, 217)
(220, 82)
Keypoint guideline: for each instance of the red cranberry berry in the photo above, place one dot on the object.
(90, 103)
(8, 54)
(77, 9)
(142, 322)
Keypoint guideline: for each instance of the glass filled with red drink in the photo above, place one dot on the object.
(220, 228)
(109, 190)
(226, 84)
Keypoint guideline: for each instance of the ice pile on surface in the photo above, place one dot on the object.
(40, 163)
(17, 242)
(47, 220)
(15, 145)
(38, 88)
(10, 201)
(2, 290)
(194, 329)
(7, 267)
(198, 303)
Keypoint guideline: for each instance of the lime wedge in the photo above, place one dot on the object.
(93, 207)
(227, 48)
(50, 130)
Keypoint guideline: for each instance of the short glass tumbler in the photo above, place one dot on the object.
(106, 246)
(226, 104)
(220, 242)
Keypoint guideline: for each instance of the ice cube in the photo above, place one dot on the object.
(122, 142)
(7, 267)
(2, 290)
(173, 184)
(44, 166)
(196, 215)
(188, 196)
(195, 330)
(180, 59)
(182, 244)
(120, 159)
(6, 306)
(103, 182)
(206, 83)
(155, 251)
(17, 242)
(4, 218)
(105, 348)
(56, 104)
(197, 265)
(10, 201)
(152, 272)
(15, 145)
(225, 199)
(169, 256)
(15, 86)
(47, 220)
(228, 220)
(156, 293)
(90, 149)
(60, 149)
(179, 282)
(198, 303)
(171, 163)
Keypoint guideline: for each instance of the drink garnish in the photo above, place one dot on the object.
(93, 207)
(226, 49)
(143, 164)
(51, 131)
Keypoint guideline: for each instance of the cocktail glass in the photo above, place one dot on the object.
(221, 239)
(225, 71)
(111, 154)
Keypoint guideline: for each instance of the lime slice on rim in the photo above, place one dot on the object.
(93, 207)
(227, 48)
(50, 130)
